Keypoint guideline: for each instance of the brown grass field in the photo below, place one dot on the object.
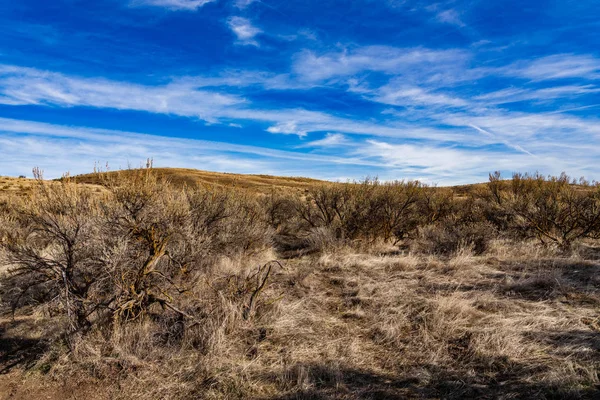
(449, 308)
(194, 177)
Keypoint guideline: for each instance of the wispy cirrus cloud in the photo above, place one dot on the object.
(58, 149)
(385, 59)
(27, 86)
(529, 126)
(244, 30)
(399, 93)
(330, 140)
(187, 97)
(441, 119)
(514, 94)
(244, 3)
(438, 67)
(557, 66)
(186, 5)
(456, 164)
(450, 16)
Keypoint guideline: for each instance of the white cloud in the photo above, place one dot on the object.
(189, 5)
(557, 66)
(287, 128)
(58, 149)
(244, 30)
(426, 88)
(524, 94)
(450, 17)
(331, 140)
(436, 68)
(552, 127)
(421, 156)
(26, 86)
(454, 165)
(431, 112)
(243, 3)
(389, 60)
(399, 93)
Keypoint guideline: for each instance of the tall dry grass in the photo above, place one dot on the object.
(388, 290)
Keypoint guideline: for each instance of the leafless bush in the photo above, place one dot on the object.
(142, 243)
(371, 210)
(279, 209)
(448, 237)
(395, 211)
(50, 246)
(557, 210)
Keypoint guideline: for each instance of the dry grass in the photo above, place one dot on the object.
(10, 186)
(23, 187)
(194, 177)
(354, 326)
(339, 320)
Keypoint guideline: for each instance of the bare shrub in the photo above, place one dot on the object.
(141, 244)
(557, 210)
(279, 209)
(371, 210)
(435, 204)
(448, 237)
(394, 211)
(459, 224)
(246, 230)
(50, 245)
(145, 225)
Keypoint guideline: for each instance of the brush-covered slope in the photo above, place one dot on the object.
(193, 177)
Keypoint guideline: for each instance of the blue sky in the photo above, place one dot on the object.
(442, 92)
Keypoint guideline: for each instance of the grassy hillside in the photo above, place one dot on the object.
(23, 187)
(9, 185)
(194, 177)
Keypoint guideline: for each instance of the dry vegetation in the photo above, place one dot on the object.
(149, 287)
(194, 177)
(15, 186)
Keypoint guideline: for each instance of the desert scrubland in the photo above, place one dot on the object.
(175, 284)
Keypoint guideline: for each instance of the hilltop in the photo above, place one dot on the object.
(195, 177)
(259, 183)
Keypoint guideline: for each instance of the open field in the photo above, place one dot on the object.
(379, 291)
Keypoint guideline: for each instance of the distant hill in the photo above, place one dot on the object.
(15, 185)
(194, 177)
(23, 186)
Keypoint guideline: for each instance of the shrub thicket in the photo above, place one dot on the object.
(556, 210)
(141, 249)
(141, 244)
(371, 210)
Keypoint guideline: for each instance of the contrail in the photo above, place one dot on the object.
(514, 146)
